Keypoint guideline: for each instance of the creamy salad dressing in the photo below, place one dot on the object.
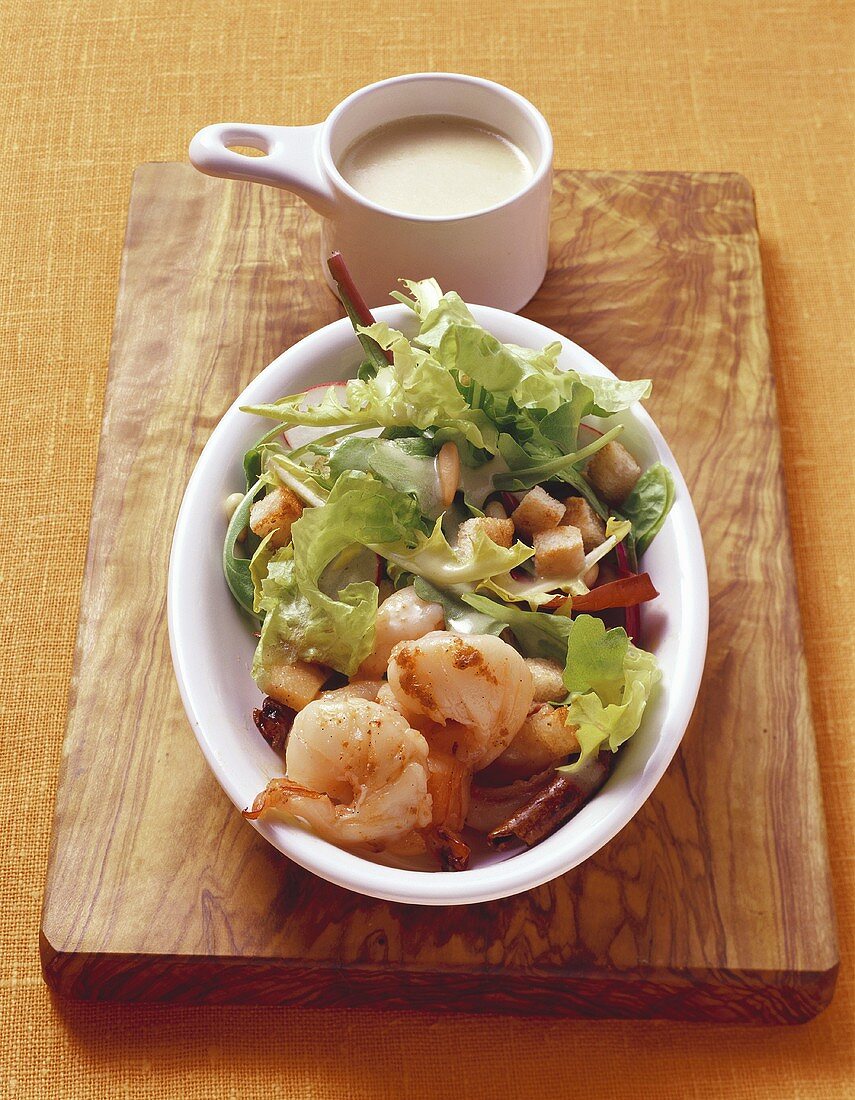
(435, 165)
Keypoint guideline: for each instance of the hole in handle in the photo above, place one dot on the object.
(247, 150)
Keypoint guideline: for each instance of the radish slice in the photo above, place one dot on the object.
(587, 434)
(302, 434)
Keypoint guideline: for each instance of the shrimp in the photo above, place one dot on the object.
(357, 689)
(448, 777)
(477, 690)
(401, 617)
(356, 773)
(468, 696)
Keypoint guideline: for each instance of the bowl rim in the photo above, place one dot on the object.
(529, 868)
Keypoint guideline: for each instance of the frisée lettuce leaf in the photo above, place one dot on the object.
(434, 559)
(412, 391)
(531, 377)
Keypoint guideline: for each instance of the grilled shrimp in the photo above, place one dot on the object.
(401, 617)
(448, 777)
(356, 689)
(476, 690)
(468, 696)
(356, 773)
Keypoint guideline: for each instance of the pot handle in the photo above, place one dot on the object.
(290, 158)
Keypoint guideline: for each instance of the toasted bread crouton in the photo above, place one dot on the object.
(275, 513)
(547, 678)
(559, 552)
(579, 513)
(537, 511)
(501, 531)
(295, 684)
(613, 472)
(544, 739)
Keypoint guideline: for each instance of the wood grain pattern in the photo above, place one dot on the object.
(714, 903)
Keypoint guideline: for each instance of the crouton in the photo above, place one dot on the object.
(295, 684)
(275, 513)
(547, 678)
(613, 472)
(579, 513)
(501, 531)
(537, 511)
(544, 739)
(559, 552)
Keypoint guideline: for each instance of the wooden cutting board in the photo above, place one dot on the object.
(714, 903)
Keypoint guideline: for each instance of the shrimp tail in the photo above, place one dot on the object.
(447, 847)
(277, 795)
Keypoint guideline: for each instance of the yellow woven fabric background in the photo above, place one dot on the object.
(90, 89)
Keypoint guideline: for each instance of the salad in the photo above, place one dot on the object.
(441, 558)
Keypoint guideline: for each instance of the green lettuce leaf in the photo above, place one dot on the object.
(303, 622)
(535, 473)
(610, 681)
(531, 377)
(648, 504)
(414, 391)
(595, 657)
(407, 465)
(436, 311)
(535, 591)
(561, 426)
(258, 567)
(602, 724)
(611, 395)
(473, 352)
(538, 633)
(236, 567)
(297, 477)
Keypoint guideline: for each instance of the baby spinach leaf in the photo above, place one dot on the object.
(538, 633)
(236, 569)
(648, 504)
(459, 616)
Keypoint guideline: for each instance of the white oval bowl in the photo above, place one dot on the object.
(212, 643)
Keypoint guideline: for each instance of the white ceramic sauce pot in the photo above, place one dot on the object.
(496, 256)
